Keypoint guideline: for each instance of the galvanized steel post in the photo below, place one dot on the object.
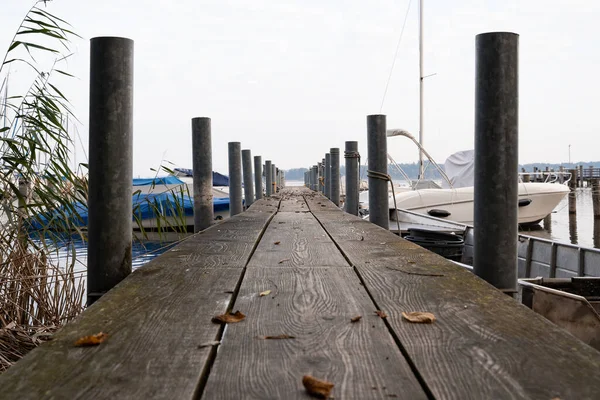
(202, 173)
(496, 159)
(258, 177)
(110, 164)
(377, 153)
(235, 178)
(268, 178)
(315, 178)
(335, 175)
(248, 178)
(352, 159)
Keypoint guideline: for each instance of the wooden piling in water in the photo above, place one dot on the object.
(235, 178)
(202, 173)
(496, 159)
(596, 197)
(573, 187)
(110, 164)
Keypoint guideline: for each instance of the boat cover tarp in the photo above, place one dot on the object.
(460, 168)
(218, 179)
(145, 206)
(165, 180)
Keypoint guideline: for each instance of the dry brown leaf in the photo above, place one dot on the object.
(209, 344)
(356, 319)
(277, 242)
(92, 340)
(228, 318)
(317, 387)
(282, 261)
(265, 293)
(381, 314)
(282, 336)
(419, 317)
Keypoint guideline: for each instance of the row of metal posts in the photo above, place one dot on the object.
(111, 167)
(496, 162)
(325, 176)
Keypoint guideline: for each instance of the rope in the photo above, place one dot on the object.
(387, 178)
(354, 154)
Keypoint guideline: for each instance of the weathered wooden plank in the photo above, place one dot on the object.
(156, 319)
(315, 306)
(265, 204)
(292, 200)
(483, 344)
(293, 240)
(317, 202)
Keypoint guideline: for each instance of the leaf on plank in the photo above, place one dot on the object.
(276, 337)
(277, 242)
(419, 317)
(317, 387)
(228, 318)
(284, 260)
(209, 344)
(381, 314)
(265, 293)
(91, 340)
(356, 319)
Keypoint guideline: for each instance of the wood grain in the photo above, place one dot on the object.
(317, 202)
(301, 241)
(484, 345)
(156, 319)
(315, 305)
(292, 200)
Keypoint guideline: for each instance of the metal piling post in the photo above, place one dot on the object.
(496, 159)
(235, 178)
(110, 164)
(335, 175)
(377, 153)
(352, 159)
(248, 178)
(202, 173)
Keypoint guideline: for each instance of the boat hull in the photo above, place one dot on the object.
(537, 200)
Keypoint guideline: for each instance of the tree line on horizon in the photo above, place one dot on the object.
(412, 170)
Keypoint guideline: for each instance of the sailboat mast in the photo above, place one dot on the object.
(421, 170)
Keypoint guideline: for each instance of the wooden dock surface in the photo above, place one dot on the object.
(322, 267)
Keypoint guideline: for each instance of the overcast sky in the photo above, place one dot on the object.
(290, 79)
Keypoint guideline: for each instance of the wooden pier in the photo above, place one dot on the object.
(322, 267)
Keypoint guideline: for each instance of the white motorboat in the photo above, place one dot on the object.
(455, 200)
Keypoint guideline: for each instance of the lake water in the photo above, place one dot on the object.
(580, 229)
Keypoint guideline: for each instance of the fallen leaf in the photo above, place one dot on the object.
(265, 293)
(228, 318)
(283, 336)
(419, 317)
(277, 242)
(92, 340)
(317, 387)
(362, 238)
(282, 261)
(209, 344)
(356, 319)
(381, 314)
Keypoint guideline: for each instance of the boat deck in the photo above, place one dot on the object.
(295, 265)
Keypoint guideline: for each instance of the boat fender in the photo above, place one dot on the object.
(434, 212)
(524, 202)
